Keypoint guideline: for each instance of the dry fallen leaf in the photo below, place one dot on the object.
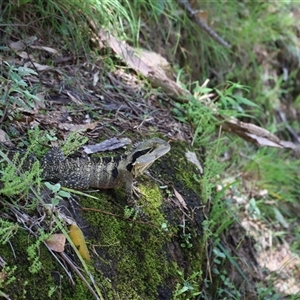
(56, 242)
(37, 66)
(48, 49)
(107, 145)
(95, 78)
(25, 55)
(3, 275)
(180, 199)
(143, 62)
(74, 99)
(3, 136)
(17, 46)
(254, 134)
(77, 127)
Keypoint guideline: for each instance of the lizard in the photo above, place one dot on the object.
(99, 172)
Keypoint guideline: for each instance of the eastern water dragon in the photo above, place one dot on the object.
(96, 172)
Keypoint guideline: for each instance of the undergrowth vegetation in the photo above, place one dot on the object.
(255, 80)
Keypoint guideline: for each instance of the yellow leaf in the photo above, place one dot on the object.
(78, 239)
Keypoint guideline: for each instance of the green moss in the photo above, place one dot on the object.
(131, 250)
(152, 202)
(27, 285)
(138, 257)
(50, 281)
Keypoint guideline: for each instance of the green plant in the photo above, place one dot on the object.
(7, 230)
(38, 140)
(33, 252)
(15, 92)
(51, 291)
(69, 21)
(226, 287)
(73, 142)
(7, 276)
(189, 288)
(232, 99)
(15, 179)
(58, 192)
(164, 226)
(130, 212)
(186, 238)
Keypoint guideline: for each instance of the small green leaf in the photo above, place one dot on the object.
(53, 187)
(23, 71)
(64, 194)
(218, 253)
(30, 96)
(55, 201)
(182, 290)
(195, 274)
(242, 100)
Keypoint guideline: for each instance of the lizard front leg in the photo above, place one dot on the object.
(128, 179)
(132, 192)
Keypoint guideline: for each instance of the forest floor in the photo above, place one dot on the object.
(106, 93)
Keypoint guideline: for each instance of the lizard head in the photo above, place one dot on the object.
(146, 153)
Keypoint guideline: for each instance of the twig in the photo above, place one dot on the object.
(193, 16)
(7, 104)
(79, 274)
(282, 116)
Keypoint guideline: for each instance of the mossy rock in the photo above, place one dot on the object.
(150, 257)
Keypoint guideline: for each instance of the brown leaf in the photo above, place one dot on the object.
(56, 242)
(37, 66)
(77, 127)
(202, 15)
(3, 136)
(3, 276)
(180, 199)
(48, 49)
(73, 98)
(142, 62)
(107, 145)
(17, 46)
(254, 134)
